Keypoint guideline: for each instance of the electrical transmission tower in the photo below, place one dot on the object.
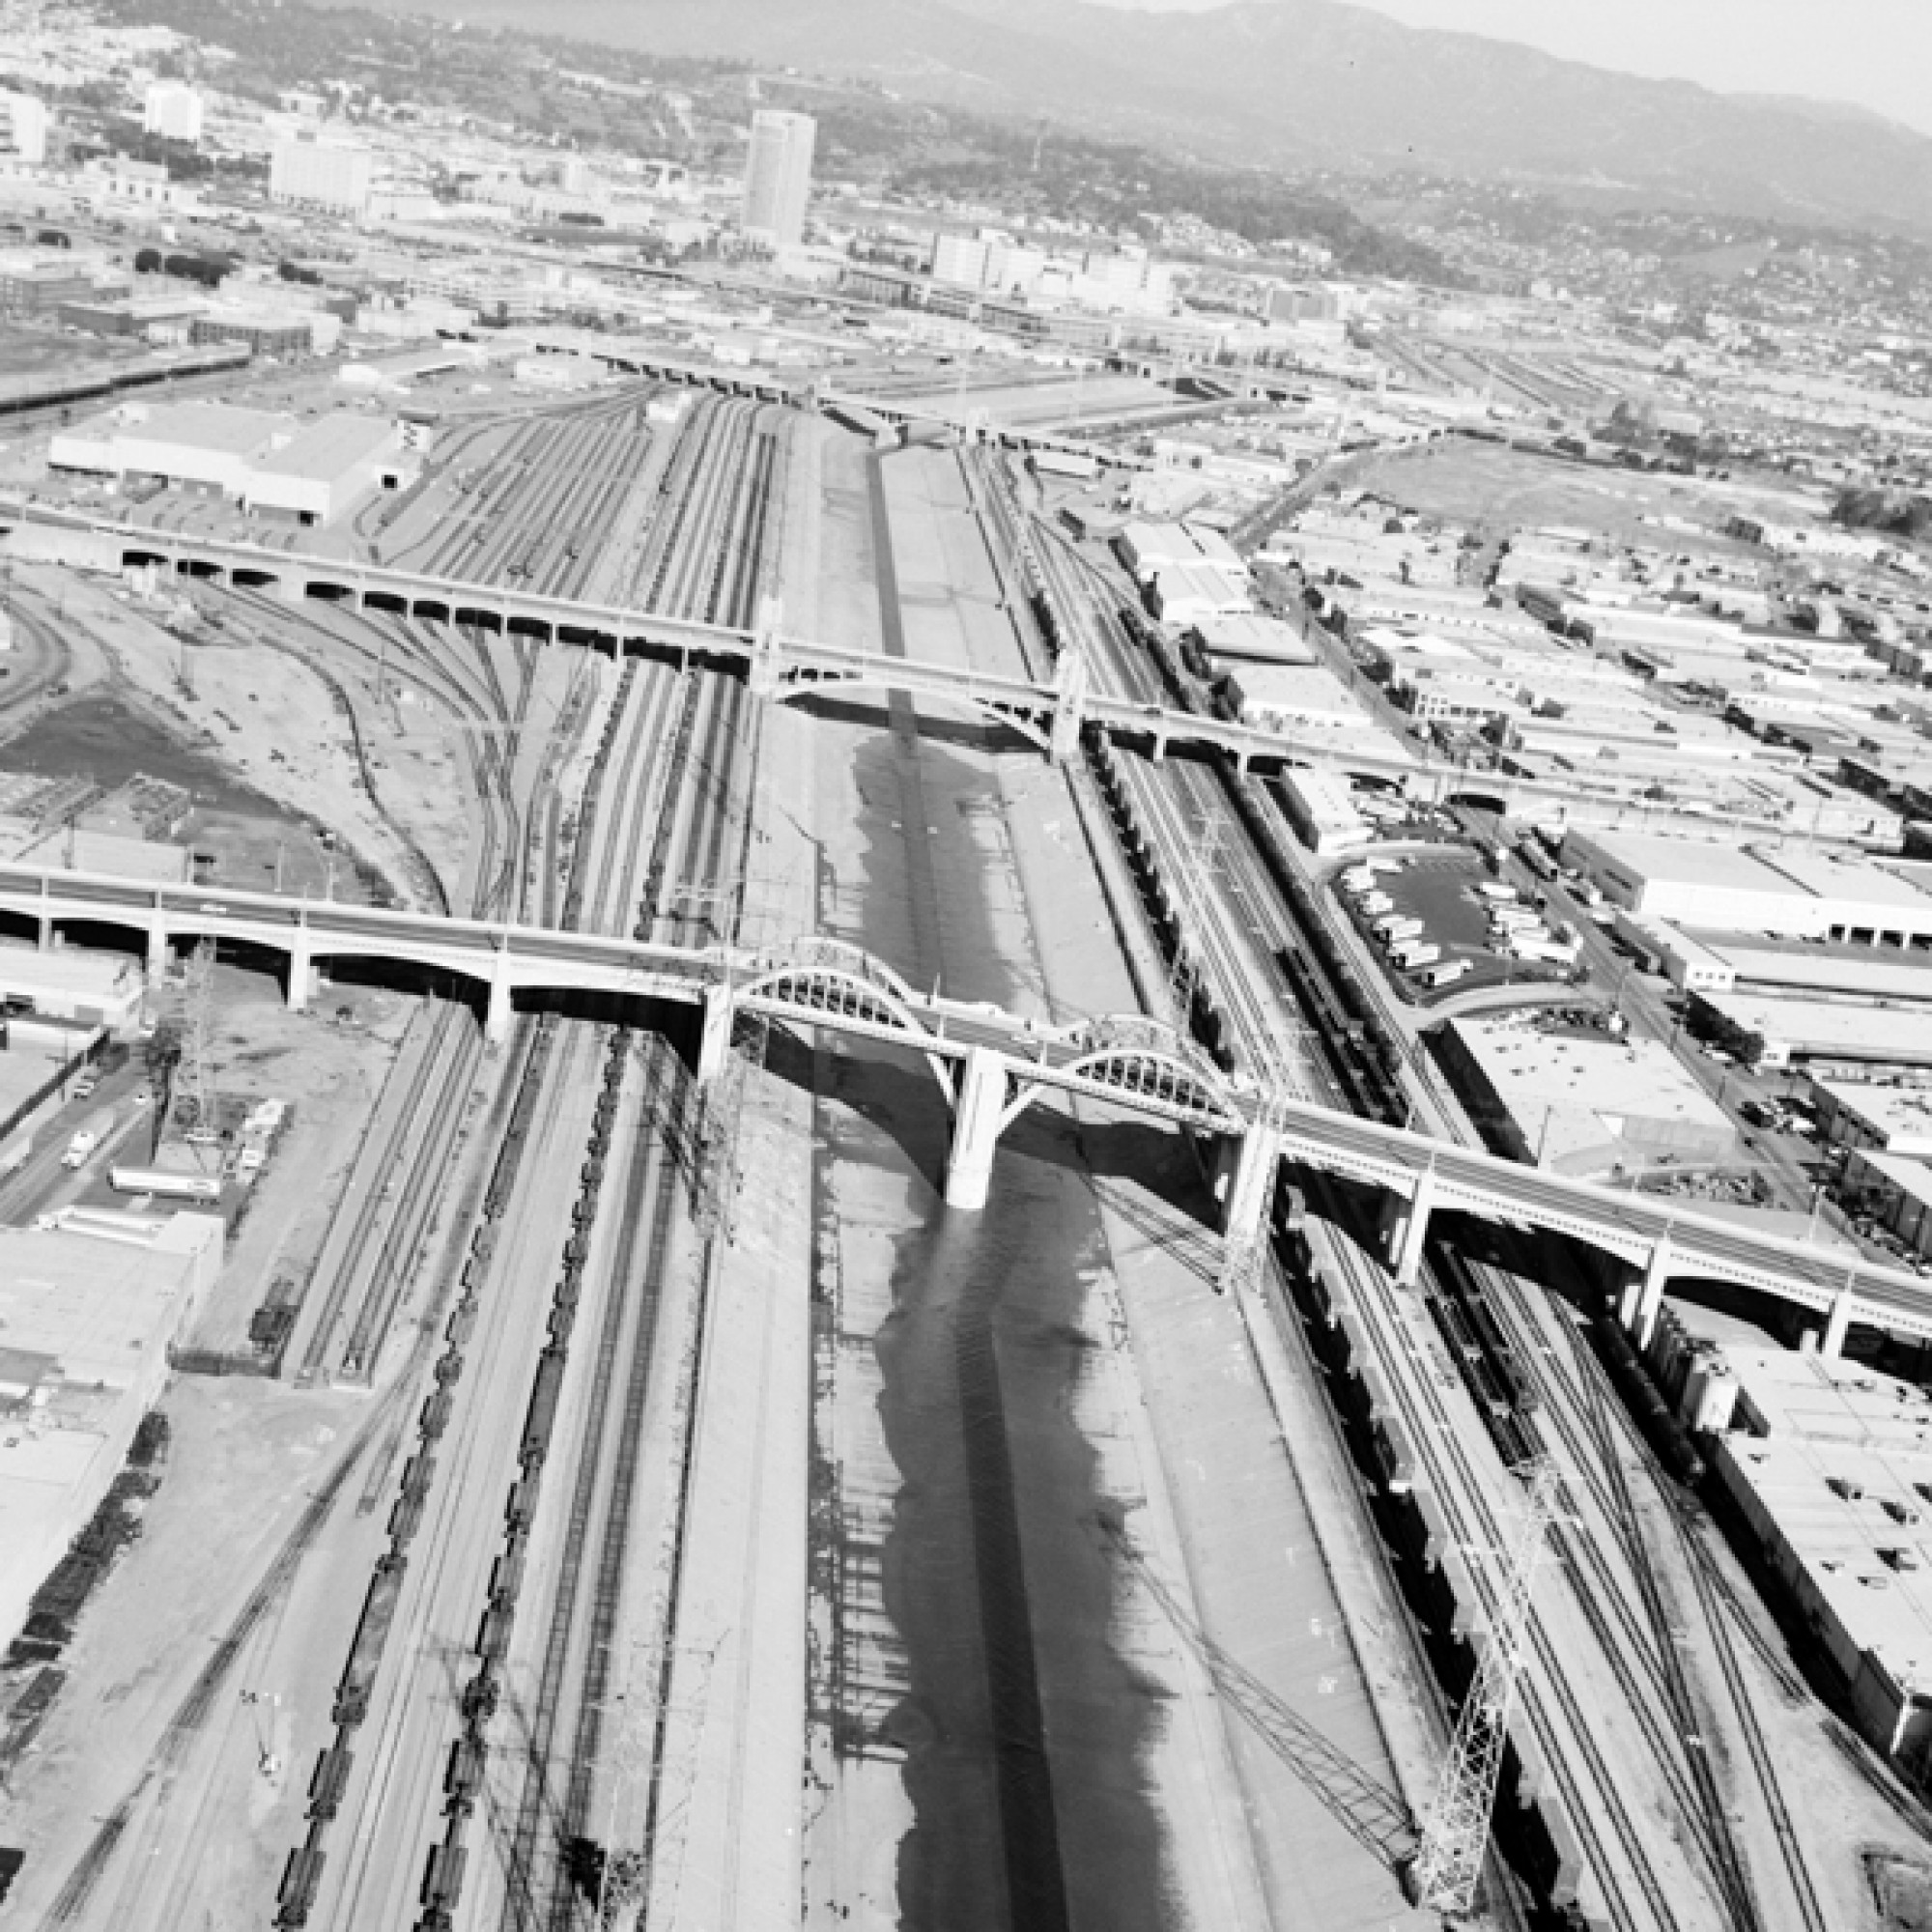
(193, 1104)
(1449, 1865)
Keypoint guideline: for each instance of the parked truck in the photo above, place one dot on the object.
(1409, 957)
(1446, 974)
(164, 1183)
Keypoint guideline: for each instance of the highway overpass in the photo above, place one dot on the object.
(991, 1065)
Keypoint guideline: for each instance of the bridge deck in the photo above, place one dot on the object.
(1120, 1061)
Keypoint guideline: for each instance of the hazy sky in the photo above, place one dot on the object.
(1875, 52)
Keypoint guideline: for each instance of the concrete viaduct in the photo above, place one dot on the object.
(992, 1065)
(788, 668)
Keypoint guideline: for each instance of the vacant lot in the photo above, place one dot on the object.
(1496, 490)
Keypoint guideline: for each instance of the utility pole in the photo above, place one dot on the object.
(1449, 1865)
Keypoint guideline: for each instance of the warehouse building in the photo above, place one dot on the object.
(1296, 698)
(1831, 1465)
(1897, 1190)
(333, 464)
(1787, 891)
(91, 989)
(88, 1310)
(1194, 594)
(307, 473)
(1582, 1102)
(1822, 1036)
(1864, 1113)
(1320, 806)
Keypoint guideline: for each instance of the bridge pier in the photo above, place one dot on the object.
(301, 972)
(500, 1013)
(1643, 1298)
(1837, 1325)
(975, 1130)
(1070, 713)
(1408, 1232)
(714, 1039)
(157, 949)
(1248, 1170)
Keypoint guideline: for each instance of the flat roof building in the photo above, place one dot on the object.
(1296, 698)
(1831, 1465)
(1821, 1035)
(1582, 1102)
(1785, 891)
(94, 988)
(279, 466)
(89, 1311)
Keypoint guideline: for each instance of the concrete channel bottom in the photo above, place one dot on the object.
(996, 1579)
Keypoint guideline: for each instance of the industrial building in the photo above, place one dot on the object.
(1320, 806)
(1831, 1465)
(1296, 698)
(1821, 1035)
(88, 1311)
(777, 179)
(1582, 1102)
(279, 466)
(1865, 1114)
(1196, 593)
(1897, 1190)
(94, 988)
(1247, 636)
(1792, 891)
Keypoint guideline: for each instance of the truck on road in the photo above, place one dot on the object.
(86, 1139)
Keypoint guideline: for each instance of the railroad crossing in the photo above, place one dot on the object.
(991, 1064)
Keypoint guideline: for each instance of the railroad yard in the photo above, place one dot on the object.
(640, 1498)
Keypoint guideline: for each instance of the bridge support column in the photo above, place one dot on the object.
(500, 1014)
(158, 950)
(302, 972)
(767, 665)
(1838, 1324)
(1410, 1232)
(1069, 682)
(1251, 1165)
(1643, 1298)
(975, 1130)
(714, 1040)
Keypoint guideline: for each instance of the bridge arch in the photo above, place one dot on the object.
(836, 685)
(242, 578)
(326, 591)
(478, 619)
(1147, 1064)
(839, 981)
(429, 610)
(390, 602)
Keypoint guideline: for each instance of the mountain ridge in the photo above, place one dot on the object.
(1305, 84)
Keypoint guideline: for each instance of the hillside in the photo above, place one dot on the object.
(1305, 84)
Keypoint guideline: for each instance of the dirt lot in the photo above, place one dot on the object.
(1498, 490)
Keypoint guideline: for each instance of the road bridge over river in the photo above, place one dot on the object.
(991, 1064)
(788, 668)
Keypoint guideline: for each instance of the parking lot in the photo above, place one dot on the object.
(1439, 888)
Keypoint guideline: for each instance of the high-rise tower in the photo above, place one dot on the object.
(777, 178)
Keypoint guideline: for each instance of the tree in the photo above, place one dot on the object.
(147, 262)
